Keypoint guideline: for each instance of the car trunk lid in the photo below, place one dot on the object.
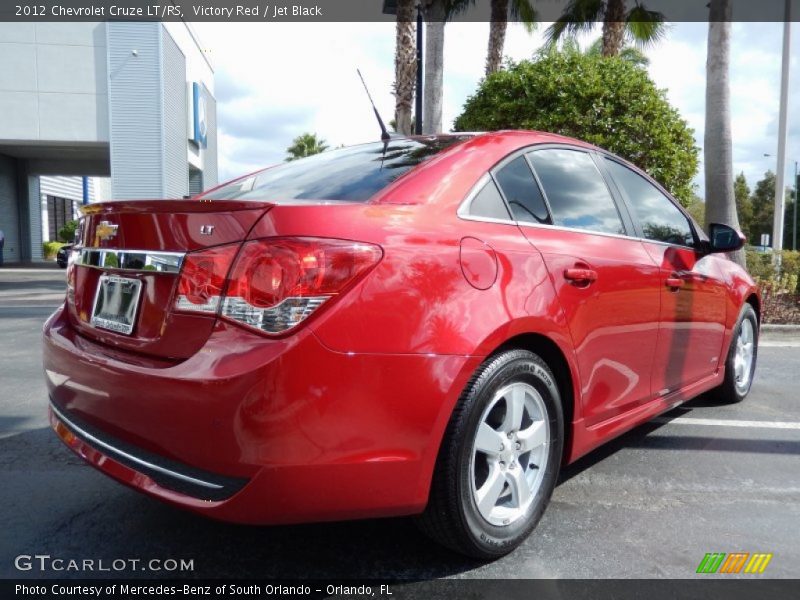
(129, 256)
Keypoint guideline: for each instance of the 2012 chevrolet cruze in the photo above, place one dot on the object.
(427, 326)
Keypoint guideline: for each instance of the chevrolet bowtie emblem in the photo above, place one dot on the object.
(105, 231)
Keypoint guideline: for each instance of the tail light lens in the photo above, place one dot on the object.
(275, 283)
(203, 279)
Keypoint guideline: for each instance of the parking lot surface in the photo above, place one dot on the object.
(702, 478)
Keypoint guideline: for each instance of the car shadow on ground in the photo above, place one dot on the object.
(56, 504)
(76, 512)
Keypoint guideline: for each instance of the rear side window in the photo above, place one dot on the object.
(660, 219)
(356, 173)
(576, 191)
(521, 191)
(489, 203)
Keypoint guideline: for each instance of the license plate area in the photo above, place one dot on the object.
(116, 303)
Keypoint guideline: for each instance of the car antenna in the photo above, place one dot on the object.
(385, 137)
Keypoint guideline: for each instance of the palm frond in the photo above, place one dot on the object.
(634, 56)
(453, 8)
(645, 27)
(596, 48)
(525, 12)
(579, 16)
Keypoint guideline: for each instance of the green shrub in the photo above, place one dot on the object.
(780, 293)
(67, 233)
(606, 101)
(49, 249)
(762, 267)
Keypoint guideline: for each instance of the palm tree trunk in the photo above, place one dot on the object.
(717, 146)
(435, 13)
(497, 35)
(614, 27)
(405, 66)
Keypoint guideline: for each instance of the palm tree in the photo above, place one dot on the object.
(522, 10)
(405, 66)
(436, 13)
(638, 25)
(717, 146)
(305, 145)
(630, 54)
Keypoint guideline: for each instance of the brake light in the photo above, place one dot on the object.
(203, 279)
(275, 283)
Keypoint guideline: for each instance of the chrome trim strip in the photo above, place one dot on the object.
(462, 212)
(578, 230)
(90, 438)
(131, 260)
(570, 229)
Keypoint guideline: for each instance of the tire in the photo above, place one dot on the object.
(737, 382)
(472, 467)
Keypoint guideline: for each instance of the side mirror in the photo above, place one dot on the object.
(723, 238)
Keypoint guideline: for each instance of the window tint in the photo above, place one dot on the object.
(660, 219)
(355, 173)
(488, 203)
(576, 191)
(521, 192)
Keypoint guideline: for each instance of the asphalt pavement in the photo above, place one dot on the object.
(702, 478)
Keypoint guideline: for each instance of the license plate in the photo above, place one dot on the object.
(115, 303)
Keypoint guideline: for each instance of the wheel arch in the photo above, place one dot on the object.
(754, 301)
(553, 347)
(555, 358)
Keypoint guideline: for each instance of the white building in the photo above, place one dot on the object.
(129, 101)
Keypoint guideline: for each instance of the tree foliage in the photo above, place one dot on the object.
(630, 53)
(744, 206)
(762, 212)
(638, 25)
(606, 101)
(67, 233)
(697, 208)
(306, 144)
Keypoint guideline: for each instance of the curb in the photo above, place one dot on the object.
(783, 333)
(780, 329)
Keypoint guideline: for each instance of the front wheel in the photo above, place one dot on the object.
(740, 364)
(499, 459)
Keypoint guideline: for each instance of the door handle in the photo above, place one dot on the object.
(674, 283)
(580, 275)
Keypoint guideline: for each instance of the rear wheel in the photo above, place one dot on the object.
(500, 457)
(740, 364)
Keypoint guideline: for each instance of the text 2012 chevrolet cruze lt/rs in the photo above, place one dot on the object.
(431, 326)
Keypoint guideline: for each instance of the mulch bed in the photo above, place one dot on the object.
(781, 308)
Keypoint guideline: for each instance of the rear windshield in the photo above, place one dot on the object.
(355, 173)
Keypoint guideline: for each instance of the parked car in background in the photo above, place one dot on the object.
(63, 254)
(429, 326)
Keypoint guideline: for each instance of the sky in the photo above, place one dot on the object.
(276, 81)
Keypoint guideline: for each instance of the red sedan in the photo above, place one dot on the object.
(427, 326)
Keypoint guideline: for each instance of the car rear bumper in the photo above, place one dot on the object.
(257, 430)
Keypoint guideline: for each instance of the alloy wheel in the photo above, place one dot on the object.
(510, 453)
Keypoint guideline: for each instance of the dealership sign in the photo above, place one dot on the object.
(199, 128)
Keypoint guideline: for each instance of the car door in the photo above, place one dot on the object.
(607, 284)
(692, 321)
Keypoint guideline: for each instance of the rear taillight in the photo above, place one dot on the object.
(275, 283)
(203, 279)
